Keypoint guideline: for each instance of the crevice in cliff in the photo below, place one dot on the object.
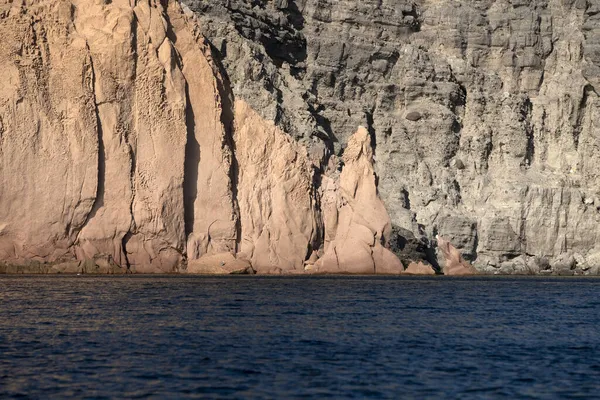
(371, 130)
(132, 173)
(323, 130)
(227, 119)
(581, 113)
(190, 167)
(413, 17)
(318, 233)
(101, 177)
(124, 242)
(132, 153)
(526, 111)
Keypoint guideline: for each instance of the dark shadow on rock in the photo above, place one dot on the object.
(190, 167)
(409, 248)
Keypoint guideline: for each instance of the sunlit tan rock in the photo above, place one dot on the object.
(454, 264)
(275, 194)
(101, 110)
(124, 149)
(219, 264)
(419, 268)
(356, 222)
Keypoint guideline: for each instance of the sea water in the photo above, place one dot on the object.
(299, 337)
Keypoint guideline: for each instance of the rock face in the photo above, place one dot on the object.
(97, 121)
(482, 113)
(357, 226)
(275, 194)
(124, 149)
(149, 136)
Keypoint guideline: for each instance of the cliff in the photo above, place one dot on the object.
(482, 113)
(124, 150)
(303, 136)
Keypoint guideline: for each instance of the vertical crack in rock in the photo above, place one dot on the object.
(581, 113)
(526, 112)
(227, 98)
(124, 241)
(133, 227)
(191, 165)
(132, 155)
(99, 199)
(371, 130)
(227, 118)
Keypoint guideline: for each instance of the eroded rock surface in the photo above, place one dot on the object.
(95, 124)
(419, 268)
(357, 226)
(483, 112)
(276, 196)
(142, 136)
(453, 262)
(124, 149)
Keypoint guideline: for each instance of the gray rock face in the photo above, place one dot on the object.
(482, 114)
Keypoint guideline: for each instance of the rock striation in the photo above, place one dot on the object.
(482, 113)
(216, 136)
(124, 149)
(97, 115)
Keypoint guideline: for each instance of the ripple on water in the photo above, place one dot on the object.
(324, 337)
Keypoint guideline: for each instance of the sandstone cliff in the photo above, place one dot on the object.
(124, 150)
(149, 136)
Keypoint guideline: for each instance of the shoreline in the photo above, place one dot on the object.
(5, 273)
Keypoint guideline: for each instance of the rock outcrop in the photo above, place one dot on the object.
(219, 264)
(452, 261)
(419, 268)
(357, 226)
(276, 196)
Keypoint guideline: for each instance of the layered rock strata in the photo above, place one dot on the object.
(482, 112)
(146, 136)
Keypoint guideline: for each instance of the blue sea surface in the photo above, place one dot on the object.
(299, 337)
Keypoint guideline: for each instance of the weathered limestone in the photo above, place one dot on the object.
(127, 136)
